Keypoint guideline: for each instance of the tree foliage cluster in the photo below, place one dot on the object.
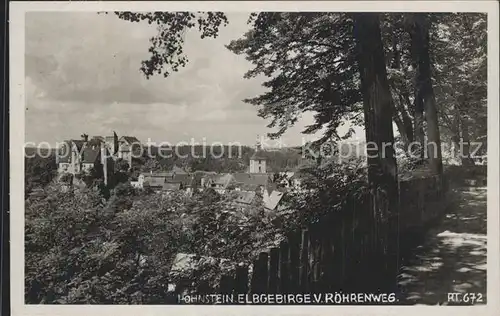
(38, 171)
(82, 249)
(325, 194)
(435, 64)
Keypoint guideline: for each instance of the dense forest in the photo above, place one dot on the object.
(227, 159)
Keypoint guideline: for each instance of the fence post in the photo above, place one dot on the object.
(226, 284)
(273, 270)
(314, 260)
(343, 250)
(304, 262)
(260, 274)
(325, 262)
(241, 280)
(335, 279)
(284, 271)
(294, 262)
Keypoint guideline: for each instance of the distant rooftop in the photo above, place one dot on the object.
(130, 139)
(258, 155)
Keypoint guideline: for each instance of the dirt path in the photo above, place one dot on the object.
(453, 258)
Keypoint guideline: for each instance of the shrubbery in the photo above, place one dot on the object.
(324, 191)
(83, 249)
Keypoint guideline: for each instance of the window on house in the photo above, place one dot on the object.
(260, 169)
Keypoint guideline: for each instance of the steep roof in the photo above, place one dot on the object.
(99, 137)
(90, 151)
(90, 154)
(272, 200)
(183, 178)
(130, 139)
(250, 181)
(223, 179)
(198, 175)
(160, 178)
(78, 143)
(168, 186)
(245, 197)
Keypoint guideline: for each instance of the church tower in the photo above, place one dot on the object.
(258, 159)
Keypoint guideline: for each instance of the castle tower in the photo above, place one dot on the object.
(258, 159)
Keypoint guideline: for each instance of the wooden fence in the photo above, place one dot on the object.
(355, 251)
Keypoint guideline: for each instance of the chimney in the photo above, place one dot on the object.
(85, 137)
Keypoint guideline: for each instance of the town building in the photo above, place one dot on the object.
(129, 147)
(160, 182)
(247, 187)
(258, 160)
(78, 156)
(270, 199)
(219, 182)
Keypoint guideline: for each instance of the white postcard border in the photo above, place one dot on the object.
(17, 132)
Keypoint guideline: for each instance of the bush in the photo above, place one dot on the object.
(324, 192)
(81, 249)
(39, 172)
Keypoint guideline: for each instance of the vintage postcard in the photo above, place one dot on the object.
(258, 157)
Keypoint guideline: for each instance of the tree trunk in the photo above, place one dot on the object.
(419, 124)
(465, 143)
(377, 99)
(455, 134)
(401, 117)
(420, 38)
(418, 107)
(378, 108)
(401, 128)
(408, 125)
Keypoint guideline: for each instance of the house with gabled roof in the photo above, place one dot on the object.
(219, 182)
(270, 198)
(128, 147)
(251, 181)
(176, 179)
(78, 156)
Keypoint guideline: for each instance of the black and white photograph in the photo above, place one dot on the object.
(258, 155)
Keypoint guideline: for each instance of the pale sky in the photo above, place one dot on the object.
(82, 76)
